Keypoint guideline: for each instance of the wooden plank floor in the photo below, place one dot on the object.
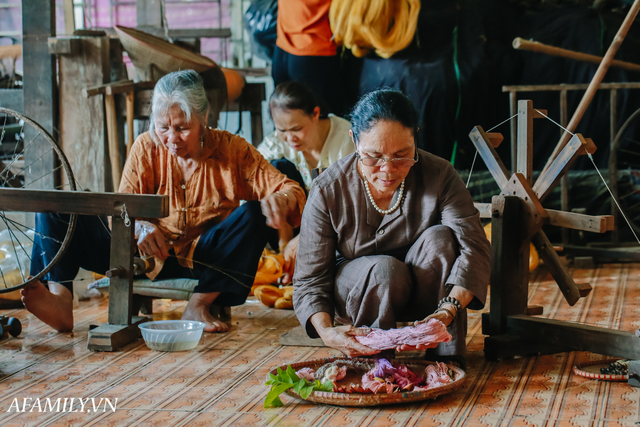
(221, 382)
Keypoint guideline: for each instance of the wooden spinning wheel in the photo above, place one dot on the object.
(16, 195)
(517, 216)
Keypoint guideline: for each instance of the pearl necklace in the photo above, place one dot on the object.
(373, 202)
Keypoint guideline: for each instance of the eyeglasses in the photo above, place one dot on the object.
(379, 161)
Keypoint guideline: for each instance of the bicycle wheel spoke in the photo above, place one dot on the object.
(46, 174)
(15, 252)
(44, 236)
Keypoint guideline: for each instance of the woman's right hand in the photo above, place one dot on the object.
(343, 338)
(151, 241)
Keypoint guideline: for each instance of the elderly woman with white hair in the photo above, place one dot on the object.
(209, 235)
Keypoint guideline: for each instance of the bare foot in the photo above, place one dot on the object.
(198, 309)
(54, 306)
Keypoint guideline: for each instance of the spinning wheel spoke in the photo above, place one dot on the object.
(29, 159)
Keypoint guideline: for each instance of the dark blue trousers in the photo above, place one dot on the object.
(321, 73)
(225, 259)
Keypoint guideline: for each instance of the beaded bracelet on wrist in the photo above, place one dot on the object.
(451, 300)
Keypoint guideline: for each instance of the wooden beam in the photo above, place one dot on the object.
(577, 146)
(122, 86)
(572, 292)
(576, 336)
(84, 203)
(575, 221)
(488, 153)
(567, 87)
(534, 46)
(177, 33)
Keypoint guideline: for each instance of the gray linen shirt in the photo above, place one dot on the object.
(340, 222)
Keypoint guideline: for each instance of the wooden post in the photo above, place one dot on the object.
(112, 134)
(121, 286)
(525, 139)
(597, 78)
(510, 262)
(564, 181)
(149, 13)
(69, 17)
(83, 135)
(129, 103)
(40, 89)
(513, 107)
(613, 172)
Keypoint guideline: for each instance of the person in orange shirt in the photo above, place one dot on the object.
(209, 235)
(305, 50)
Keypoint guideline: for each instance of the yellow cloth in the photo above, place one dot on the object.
(534, 259)
(383, 25)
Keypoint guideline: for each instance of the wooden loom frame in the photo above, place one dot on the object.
(517, 216)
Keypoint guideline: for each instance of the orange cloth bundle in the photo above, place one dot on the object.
(272, 296)
(269, 269)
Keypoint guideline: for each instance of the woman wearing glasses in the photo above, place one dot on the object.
(389, 234)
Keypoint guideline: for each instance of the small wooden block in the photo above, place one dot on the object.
(610, 223)
(113, 337)
(535, 310)
(63, 45)
(584, 289)
(589, 147)
(538, 113)
(495, 138)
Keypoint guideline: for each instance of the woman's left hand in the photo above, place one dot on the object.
(276, 208)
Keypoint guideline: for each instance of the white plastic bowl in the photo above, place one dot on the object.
(172, 335)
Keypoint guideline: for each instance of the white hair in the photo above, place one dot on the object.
(182, 88)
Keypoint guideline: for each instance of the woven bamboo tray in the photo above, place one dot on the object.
(370, 399)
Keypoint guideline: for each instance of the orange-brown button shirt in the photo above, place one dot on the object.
(303, 28)
(231, 170)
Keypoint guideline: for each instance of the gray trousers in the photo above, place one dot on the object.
(380, 290)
